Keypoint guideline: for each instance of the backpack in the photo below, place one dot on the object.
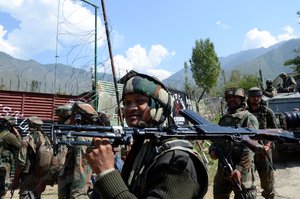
(44, 154)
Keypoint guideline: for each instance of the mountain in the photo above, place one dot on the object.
(19, 75)
(22, 75)
(270, 60)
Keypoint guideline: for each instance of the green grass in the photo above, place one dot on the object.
(211, 165)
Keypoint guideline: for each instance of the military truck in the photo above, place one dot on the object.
(286, 103)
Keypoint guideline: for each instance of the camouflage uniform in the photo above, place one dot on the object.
(63, 112)
(74, 178)
(27, 172)
(149, 171)
(9, 147)
(288, 84)
(238, 154)
(267, 120)
(270, 91)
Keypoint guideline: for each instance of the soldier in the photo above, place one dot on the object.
(239, 155)
(33, 161)
(63, 112)
(74, 178)
(288, 84)
(10, 143)
(152, 169)
(263, 161)
(270, 90)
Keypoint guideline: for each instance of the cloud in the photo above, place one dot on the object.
(139, 59)
(256, 38)
(5, 46)
(36, 33)
(37, 28)
(222, 25)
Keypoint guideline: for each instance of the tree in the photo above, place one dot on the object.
(241, 81)
(34, 85)
(296, 61)
(205, 65)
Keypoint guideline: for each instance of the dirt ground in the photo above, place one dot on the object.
(287, 183)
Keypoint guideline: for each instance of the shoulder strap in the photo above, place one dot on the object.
(2, 134)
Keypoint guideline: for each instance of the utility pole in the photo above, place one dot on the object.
(95, 56)
(112, 64)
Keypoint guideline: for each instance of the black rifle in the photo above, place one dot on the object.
(227, 167)
(201, 129)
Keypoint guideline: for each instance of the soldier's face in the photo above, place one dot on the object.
(136, 109)
(233, 102)
(254, 100)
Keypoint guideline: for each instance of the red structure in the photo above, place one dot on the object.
(25, 104)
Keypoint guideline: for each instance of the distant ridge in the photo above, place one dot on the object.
(17, 74)
(270, 60)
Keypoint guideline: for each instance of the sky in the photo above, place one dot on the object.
(154, 37)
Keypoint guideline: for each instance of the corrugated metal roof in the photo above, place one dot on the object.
(26, 104)
(107, 100)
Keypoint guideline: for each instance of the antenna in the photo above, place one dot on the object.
(56, 47)
(112, 63)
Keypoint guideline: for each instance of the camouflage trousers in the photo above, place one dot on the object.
(69, 189)
(223, 186)
(266, 174)
(28, 184)
(4, 179)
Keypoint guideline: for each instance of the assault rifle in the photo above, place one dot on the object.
(227, 166)
(201, 129)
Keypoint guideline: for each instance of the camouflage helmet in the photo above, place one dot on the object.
(34, 122)
(254, 91)
(9, 120)
(86, 111)
(160, 98)
(64, 110)
(235, 92)
(269, 82)
(283, 75)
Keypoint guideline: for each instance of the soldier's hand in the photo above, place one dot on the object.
(267, 148)
(236, 176)
(101, 156)
(213, 154)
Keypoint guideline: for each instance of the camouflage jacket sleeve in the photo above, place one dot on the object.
(246, 159)
(82, 171)
(250, 121)
(291, 84)
(270, 92)
(23, 156)
(12, 142)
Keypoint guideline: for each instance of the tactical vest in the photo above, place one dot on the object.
(262, 116)
(233, 150)
(236, 120)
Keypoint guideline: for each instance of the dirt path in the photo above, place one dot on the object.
(287, 183)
